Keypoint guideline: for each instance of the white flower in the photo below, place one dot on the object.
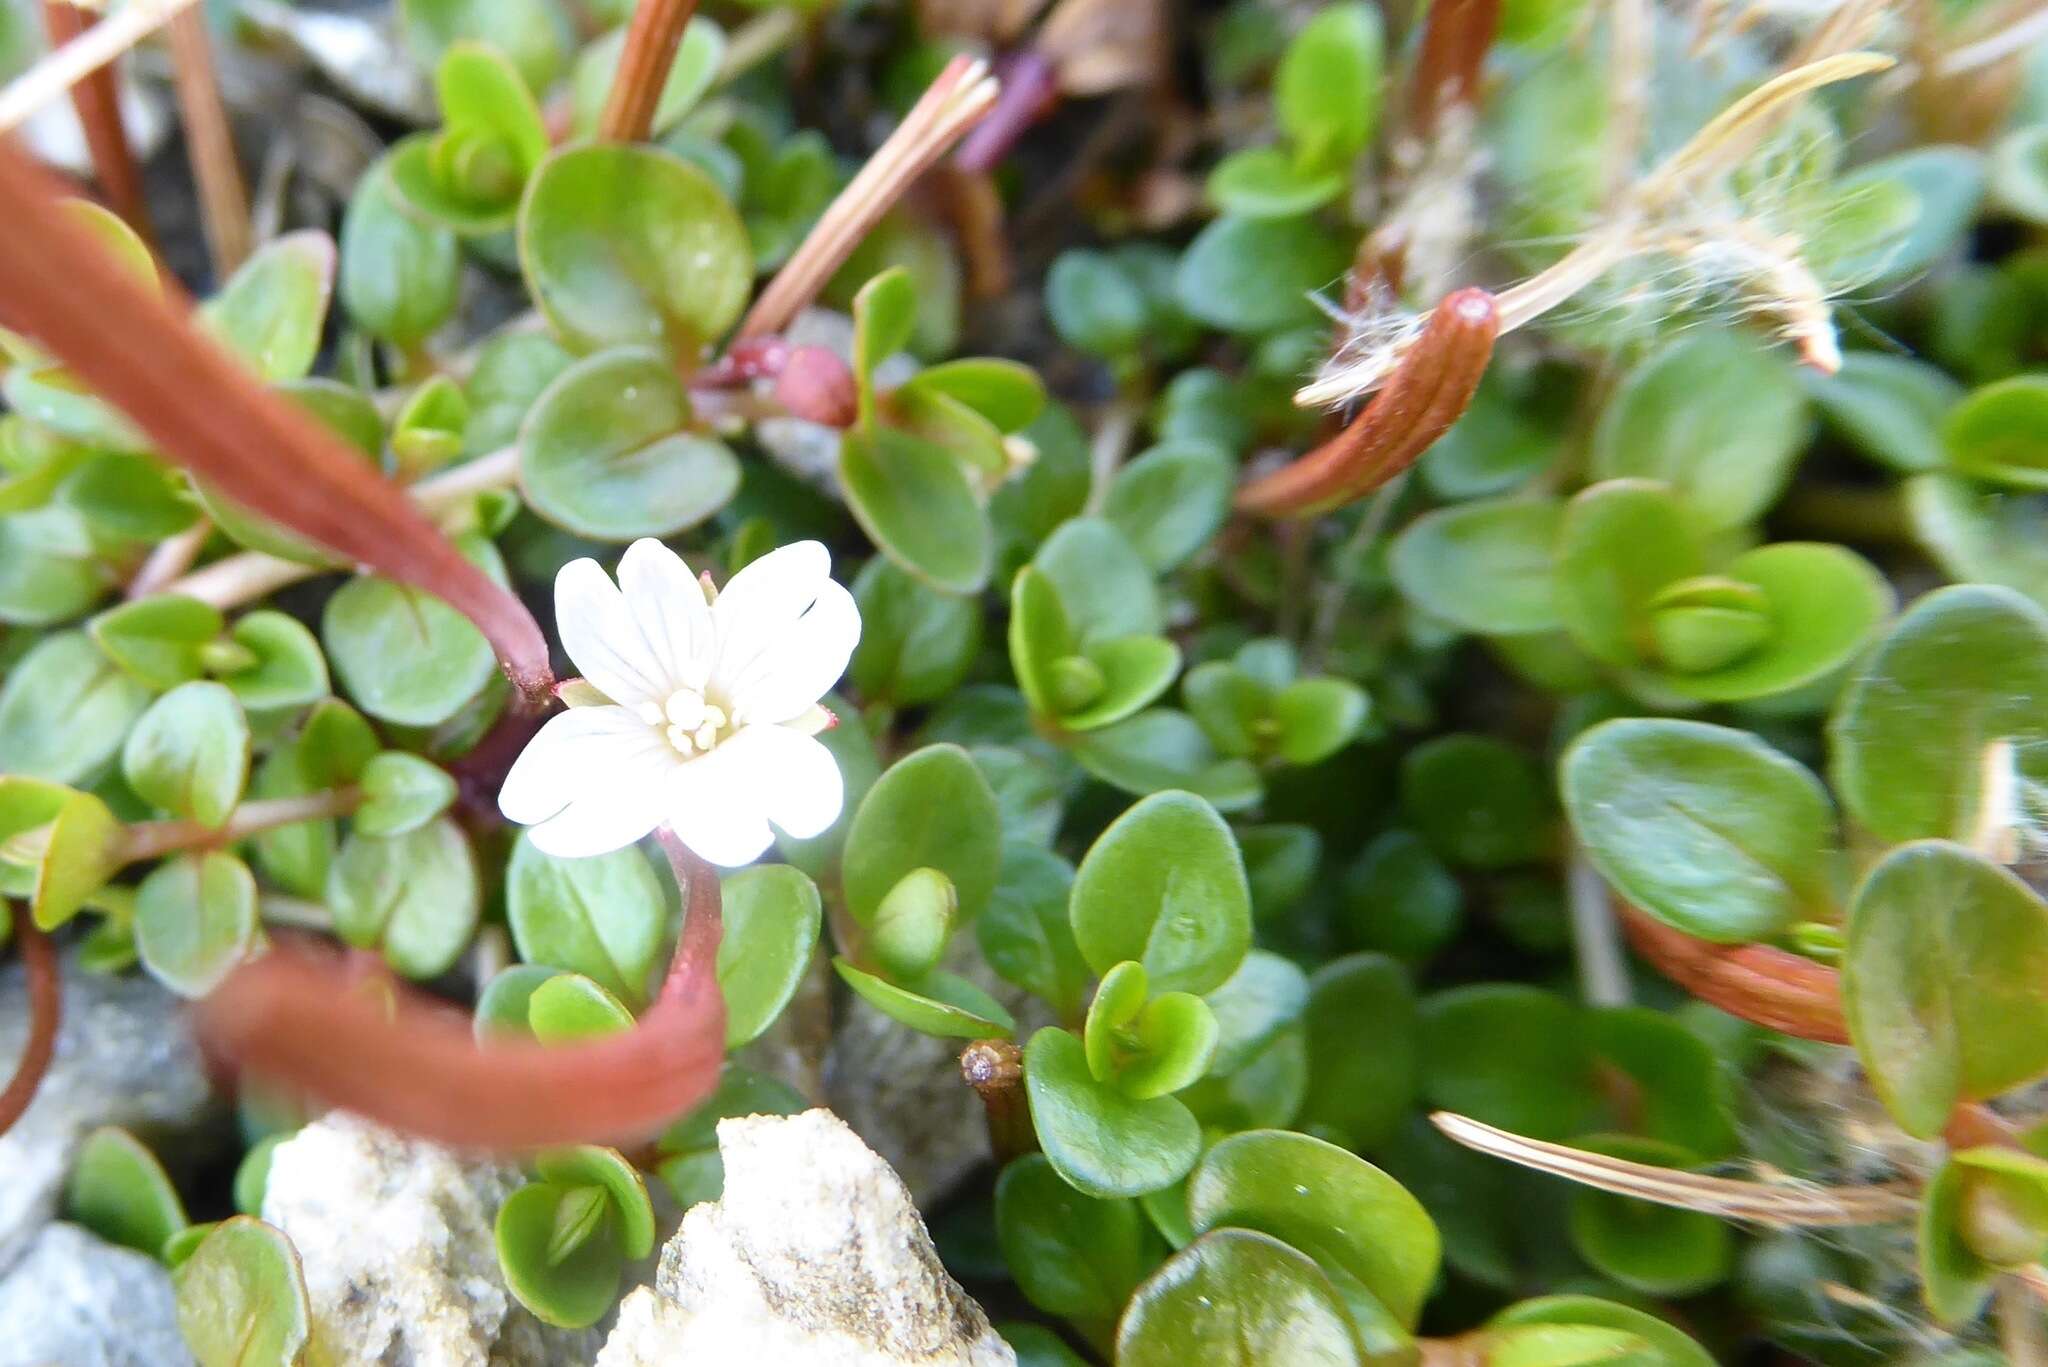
(710, 713)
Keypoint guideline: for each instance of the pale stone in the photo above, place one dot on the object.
(75, 1300)
(395, 1236)
(814, 1255)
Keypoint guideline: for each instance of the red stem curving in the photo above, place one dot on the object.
(45, 1004)
(97, 98)
(651, 43)
(404, 1061)
(1761, 984)
(142, 353)
(1455, 37)
(1427, 392)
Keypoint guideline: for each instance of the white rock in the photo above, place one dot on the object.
(395, 1237)
(124, 1057)
(814, 1256)
(74, 1300)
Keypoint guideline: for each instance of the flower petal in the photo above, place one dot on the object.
(593, 780)
(712, 809)
(786, 679)
(601, 637)
(794, 778)
(763, 600)
(668, 607)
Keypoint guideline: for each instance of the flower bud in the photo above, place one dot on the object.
(817, 386)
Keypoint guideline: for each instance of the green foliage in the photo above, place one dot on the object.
(242, 1297)
(564, 1240)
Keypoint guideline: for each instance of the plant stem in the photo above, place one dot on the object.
(171, 558)
(297, 912)
(151, 839)
(98, 45)
(1596, 940)
(243, 578)
(1761, 984)
(97, 99)
(651, 43)
(45, 1005)
(994, 1068)
(953, 103)
(210, 142)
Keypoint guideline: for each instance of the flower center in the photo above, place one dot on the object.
(692, 722)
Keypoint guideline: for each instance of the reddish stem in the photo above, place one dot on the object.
(97, 98)
(45, 1004)
(1455, 37)
(651, 43)
(994, 1068)
(749, 359)
(1030, 92)
(1761, 984)
(405, 1062)
(1422, 398)
(141, 352)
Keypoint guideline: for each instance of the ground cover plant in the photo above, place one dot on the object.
(1421, 630)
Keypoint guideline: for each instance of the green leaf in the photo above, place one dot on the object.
(1485, 566)
(295, 856)
(1940, 981)
(535, 34)
(914, 500)
(1509, 1055)
(1668, 1346)
(1318, 717)
(399, 274)
(1165, 885)
(64, 710)
(937, 1004)
(1094, 304)
(1007, 393)
(1237, 1298)
(158, 639)
(884, 315)
(49, 569)
(631, 246)
(1267, 182)
(1955, 1281)
(1478, 801)
(569, 1008)
(1170, 500)
(603, 917)
(289, 670)
(1024, 932)
(607, 451)
(252, 1174)
(912, 923)
(1401, 899)
(428, 431)
(195, 919)
(273, 308)
(1975, 533)
(1650, 1248)
(131, 497)
(1996, 433)
(569, 1290)
(1104, 585)
(1360, 1095)
(1706, 828)
(1685, 1090)
(916, 644)
(57, 847)
(1825, 603)
(189, 753)
(1326, 93)
(415, 896)
(772, 916)
(1619, 545)
(1255, 275)
(511, 371)
(404, 655)
(401, 793)
(1100, 1141)
(1330, 1204)
(1161, 749)
(625, 1191)
(1072, 1255)
(242, 1297)
(1146, 1046)
(1715, 415)
(1961, 670)
(469, 175)
(932, 809)
(1890, 408)
(119, 1191)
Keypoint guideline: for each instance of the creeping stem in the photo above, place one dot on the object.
(1760, 983)
(407, 1062)
(45, 1009)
